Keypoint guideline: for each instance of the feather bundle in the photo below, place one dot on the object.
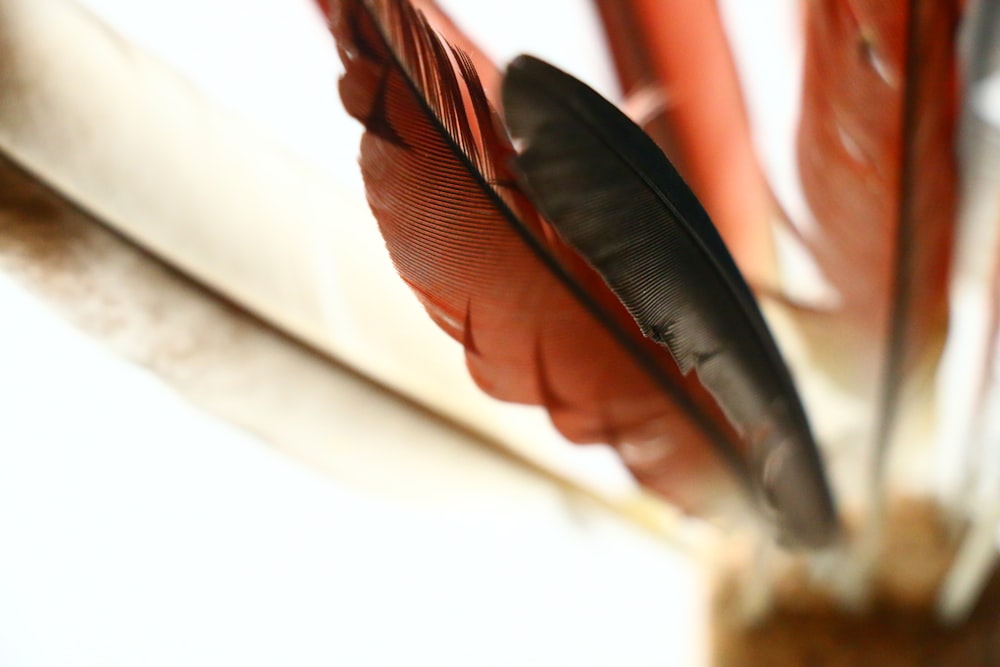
(539, 326)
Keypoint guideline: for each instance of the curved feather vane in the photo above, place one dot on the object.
(876, 154)
(613, 195)
(539, 326)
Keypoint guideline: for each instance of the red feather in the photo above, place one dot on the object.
(877, 159)
(489, 74)
(538, 326)
(679, 47)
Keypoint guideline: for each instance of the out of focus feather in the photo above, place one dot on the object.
(968, 373)
(538, 325)
(969, 382)
(616, 199)
(876, 153)
(671, 48)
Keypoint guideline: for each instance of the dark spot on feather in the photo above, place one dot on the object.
(377, 121)
(661, 334)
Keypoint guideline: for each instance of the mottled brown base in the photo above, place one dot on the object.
(897, 628)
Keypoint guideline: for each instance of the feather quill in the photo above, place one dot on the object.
(876, 155)
(538, 325)
(616, 199)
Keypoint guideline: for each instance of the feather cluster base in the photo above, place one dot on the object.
(897, 626)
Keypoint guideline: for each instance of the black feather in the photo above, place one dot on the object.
(614, 197)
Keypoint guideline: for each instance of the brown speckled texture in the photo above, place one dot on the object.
(897, 629)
